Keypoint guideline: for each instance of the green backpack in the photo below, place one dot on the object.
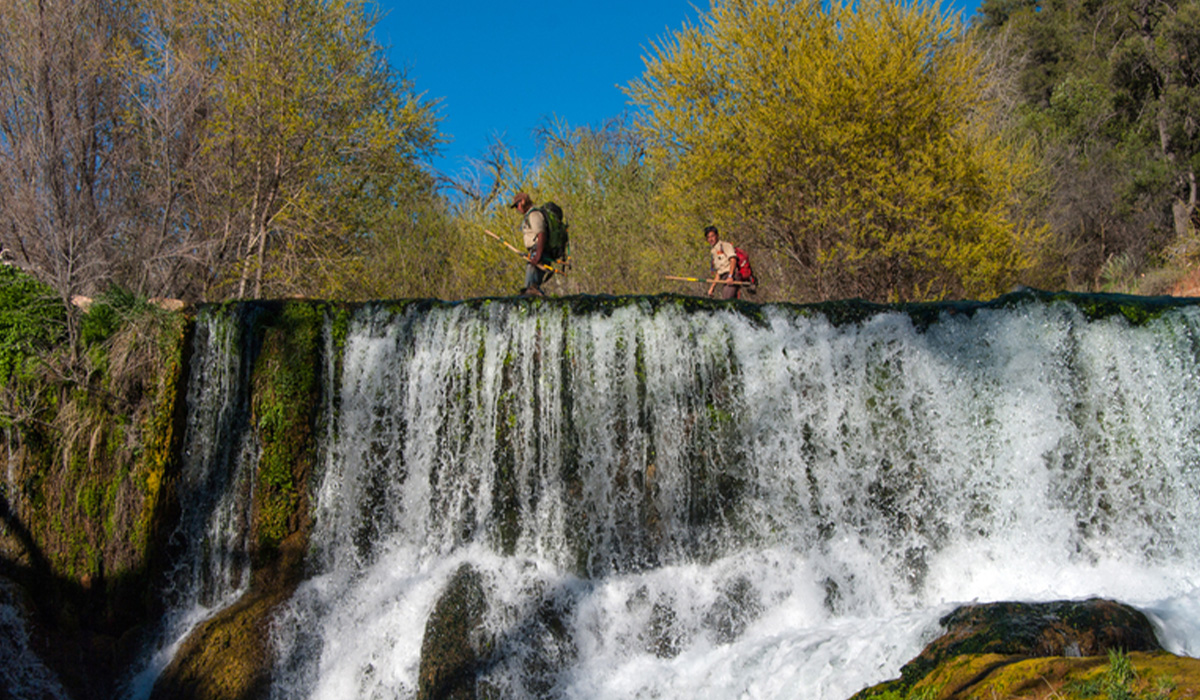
(556, 231)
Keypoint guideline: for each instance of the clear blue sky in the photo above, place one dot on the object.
(503, 69)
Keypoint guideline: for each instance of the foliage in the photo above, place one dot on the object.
(849, 139)
(107, 312)
(202, 148)
(312, 136)
(622, 242)
(63, 194)
(1109, 92)
(474, 264)
(601, 178)
(92, 444)
(413, 251)
(32, 320)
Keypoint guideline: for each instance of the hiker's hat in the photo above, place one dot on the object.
(518, 198)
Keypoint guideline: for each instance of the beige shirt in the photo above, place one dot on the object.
(722, 253)
(533, 224)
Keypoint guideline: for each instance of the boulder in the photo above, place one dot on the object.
(1060, 628)
(167, 304)
(451, 653)
(980, 640)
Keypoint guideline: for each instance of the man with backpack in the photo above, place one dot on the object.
(545, 232)
(535, 232)
(724, 264)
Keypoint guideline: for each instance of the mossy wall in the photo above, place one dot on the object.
(92, 449)
(229, 655)
(91, 499)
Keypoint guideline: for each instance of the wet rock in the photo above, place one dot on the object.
(228, 656)
(452, 656)
(1061, 628)
(737, 606)
(991, 636)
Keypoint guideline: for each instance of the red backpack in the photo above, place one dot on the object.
(745, 271)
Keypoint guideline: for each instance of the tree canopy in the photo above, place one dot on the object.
(852, 139)
(1110, 92)
(217, 149)
(202, 148)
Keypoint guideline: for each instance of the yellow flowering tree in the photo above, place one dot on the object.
(851, 140)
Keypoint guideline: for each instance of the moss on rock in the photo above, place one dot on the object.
(228, 656)
(1037, 650)
(284, 409)
(1144, 676)
(94, 445)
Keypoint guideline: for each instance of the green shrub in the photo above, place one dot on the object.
(107, 313)
(32, 319)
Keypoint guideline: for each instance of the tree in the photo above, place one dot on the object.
(312, 136)
(850, 140)
(1110, 93)
(202, 148)
(601, 178)
(63, 200)
(1156, 76)
(606, 185)
(164, 102)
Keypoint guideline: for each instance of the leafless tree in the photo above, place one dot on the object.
(62, 193)
(164, 85)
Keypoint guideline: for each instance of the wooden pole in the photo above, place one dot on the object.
(697, 279)
(547, 268)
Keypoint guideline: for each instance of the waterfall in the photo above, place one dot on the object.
(665, 498)
(210, 542)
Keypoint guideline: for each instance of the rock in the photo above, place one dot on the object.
(451, 657)
(168, 304)
(1139, 675)
(980, 639)
(1062, 628)
(227, 656)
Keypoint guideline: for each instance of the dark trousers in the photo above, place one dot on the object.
(535, 276)
(729, 291)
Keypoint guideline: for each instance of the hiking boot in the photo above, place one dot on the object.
(532, 292)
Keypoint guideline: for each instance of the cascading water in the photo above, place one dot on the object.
(215, 484)
(666, 500)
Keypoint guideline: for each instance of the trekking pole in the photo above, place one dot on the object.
(547, 268)
(697, 279)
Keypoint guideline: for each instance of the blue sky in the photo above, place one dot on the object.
(503, 69)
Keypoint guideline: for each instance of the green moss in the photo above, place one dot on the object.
(1120, 681)
(285, 394)
(227, 656)
(160, 426)
(90, 498)
(339, 325)
(1136, 310)
(110, 501)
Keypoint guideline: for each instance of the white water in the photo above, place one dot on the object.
(211, 567)
(670, 504)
